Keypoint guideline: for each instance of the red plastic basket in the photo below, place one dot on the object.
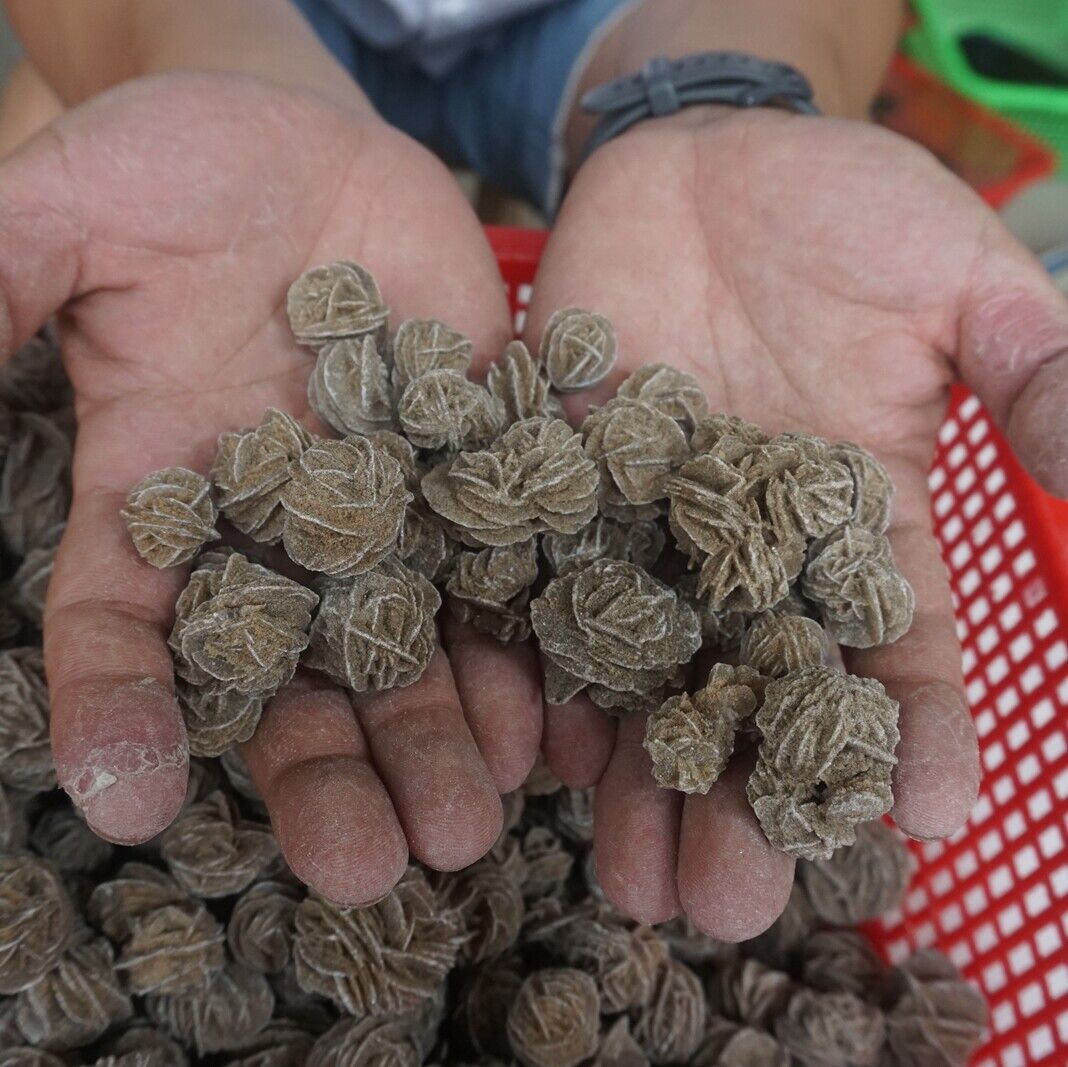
(994, 897)
(995, 157)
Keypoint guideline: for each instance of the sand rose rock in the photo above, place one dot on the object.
(281, 1043)
(728, 437)
(751, 993)
(624, 961)
(825, 760)
(844, 961)
(76, 1001)
(334, 301)
(555, 1019)
(344, 507)
(25, 1056)
(133, 893)
(142, 1045)
(521, 384)
(63, 838)
(639, 542)
(235, 1005)
(690, 738)
(381, 959)
(619, 1049)
(486, 1001)
(709, 504)
(424, 345)
(14, 826)
(873, 491)
(240, 628)
(748, 575)
(860, 882)
(29, 583)
(442, 409)
(670, 1026)
(863, 598)
(939, 1019)
(215, 722)
(491, 589)
(36, 921)
(172, 949)
(636, 447)
(720, 526)
(827, 1029)
(25, 750)
(170, 515)
(671, 391)
(34, 481)
(376, 631)
(614, 626)
(371, 1042)
(350, 388)
(489, 904)
(801, 491)
(573, 811)
(34, 379)
(726, 1044)
(777, 644)
(547, 864)
(212, 852)
(535, 477)
(578, 349)
(250, 469)
(260, 931)
(423, 545)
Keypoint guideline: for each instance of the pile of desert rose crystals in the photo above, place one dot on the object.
(200, 947)
(654, 529)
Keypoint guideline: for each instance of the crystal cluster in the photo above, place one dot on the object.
(201, 948)
(439, 484)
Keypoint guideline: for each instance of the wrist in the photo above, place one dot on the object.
(83, 49)
(841, 50)
(267, 39)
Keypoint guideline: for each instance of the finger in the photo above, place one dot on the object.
(636, 831)
(936, 780)
(118, 739)
(1013, 351)
(41, 240)
(330, 811)
(441, 788)
(500, 690)
(732, 884)
(577, 741)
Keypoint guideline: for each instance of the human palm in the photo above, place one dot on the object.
(829, 277)
(165, 220)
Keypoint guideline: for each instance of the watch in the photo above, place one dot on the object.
(666, 86)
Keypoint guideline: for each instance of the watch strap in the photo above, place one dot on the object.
(666, 86)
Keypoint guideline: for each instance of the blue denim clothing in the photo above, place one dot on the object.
(498, 106)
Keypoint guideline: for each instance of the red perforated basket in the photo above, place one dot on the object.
(994, 896)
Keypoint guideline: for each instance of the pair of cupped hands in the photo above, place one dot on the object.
(812, 273)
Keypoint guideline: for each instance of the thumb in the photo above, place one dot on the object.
(41, 239)
(1013, 352)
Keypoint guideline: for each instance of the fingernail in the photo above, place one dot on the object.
(122, 756)
(131, 810)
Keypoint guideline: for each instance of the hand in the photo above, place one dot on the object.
(165, 220)
(820, 275)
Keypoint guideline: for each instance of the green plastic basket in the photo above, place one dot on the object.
(1036, 28)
